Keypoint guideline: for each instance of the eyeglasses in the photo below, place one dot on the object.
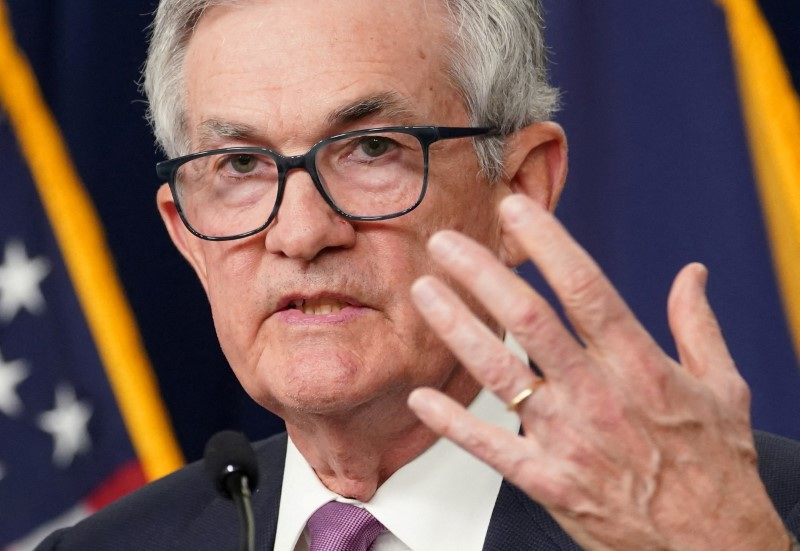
(373, 174)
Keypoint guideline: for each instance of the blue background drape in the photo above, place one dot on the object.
(660, 176)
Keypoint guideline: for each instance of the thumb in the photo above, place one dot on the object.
(701, 347)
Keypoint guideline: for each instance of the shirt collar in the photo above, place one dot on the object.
(443, 499)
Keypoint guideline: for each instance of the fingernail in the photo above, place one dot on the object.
(416, 400)
(420, 403)
(442, 243)
(515, 210)
(703, 276)
(430, 302)
(425, 294)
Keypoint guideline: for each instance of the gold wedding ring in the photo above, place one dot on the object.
(524, 394)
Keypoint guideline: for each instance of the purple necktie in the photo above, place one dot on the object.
(343, 527)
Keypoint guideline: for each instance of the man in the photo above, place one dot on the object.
(335, 141)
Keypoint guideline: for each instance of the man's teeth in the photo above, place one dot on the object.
(318, 307)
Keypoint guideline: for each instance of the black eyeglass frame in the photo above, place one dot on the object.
(427, 135)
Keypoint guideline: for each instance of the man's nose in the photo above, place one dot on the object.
(305, 224)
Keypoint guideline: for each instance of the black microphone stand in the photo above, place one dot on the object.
(241, 497)
(233, 467)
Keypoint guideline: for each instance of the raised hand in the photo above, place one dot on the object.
(627, 448)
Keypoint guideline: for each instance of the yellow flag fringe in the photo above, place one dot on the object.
(771, 111)
(80, 237)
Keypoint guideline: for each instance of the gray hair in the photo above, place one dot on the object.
(497, 63)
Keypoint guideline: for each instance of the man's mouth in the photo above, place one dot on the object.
(317, 306)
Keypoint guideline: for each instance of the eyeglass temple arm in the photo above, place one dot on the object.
(447, 132)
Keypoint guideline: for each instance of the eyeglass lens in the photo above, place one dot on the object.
(366, 175)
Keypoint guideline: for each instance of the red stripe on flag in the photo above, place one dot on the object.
(122, 481)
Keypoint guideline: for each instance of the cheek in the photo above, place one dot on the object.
(473, 214)
(236, 305)
(458, 199)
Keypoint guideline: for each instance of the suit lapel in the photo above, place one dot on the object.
(519, 523)
(267, 499)
(217, 526)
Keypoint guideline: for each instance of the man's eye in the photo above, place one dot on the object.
(243, 163)
(375, 146)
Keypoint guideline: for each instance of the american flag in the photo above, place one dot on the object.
(80, 420)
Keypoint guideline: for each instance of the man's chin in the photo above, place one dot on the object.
(330, 401)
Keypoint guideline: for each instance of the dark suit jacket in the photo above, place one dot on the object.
(182, 511)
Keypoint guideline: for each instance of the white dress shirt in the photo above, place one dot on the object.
(442, 500)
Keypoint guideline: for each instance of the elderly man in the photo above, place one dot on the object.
(351, 181)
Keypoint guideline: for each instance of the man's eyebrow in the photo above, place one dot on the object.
(388, 104)
(210, 130)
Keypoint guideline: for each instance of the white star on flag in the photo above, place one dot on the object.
(11, 374)
(20, 277)
(67, 423)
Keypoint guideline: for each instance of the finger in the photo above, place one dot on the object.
(520, 460)
(476, 347)
(698, 337)
(592, 304)
(510, 300)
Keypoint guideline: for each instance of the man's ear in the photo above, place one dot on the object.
(536, 162)
(535, 165)
(186, 243)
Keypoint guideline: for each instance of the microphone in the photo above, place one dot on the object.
(231, 464)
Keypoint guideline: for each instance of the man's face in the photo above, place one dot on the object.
(314, 314)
